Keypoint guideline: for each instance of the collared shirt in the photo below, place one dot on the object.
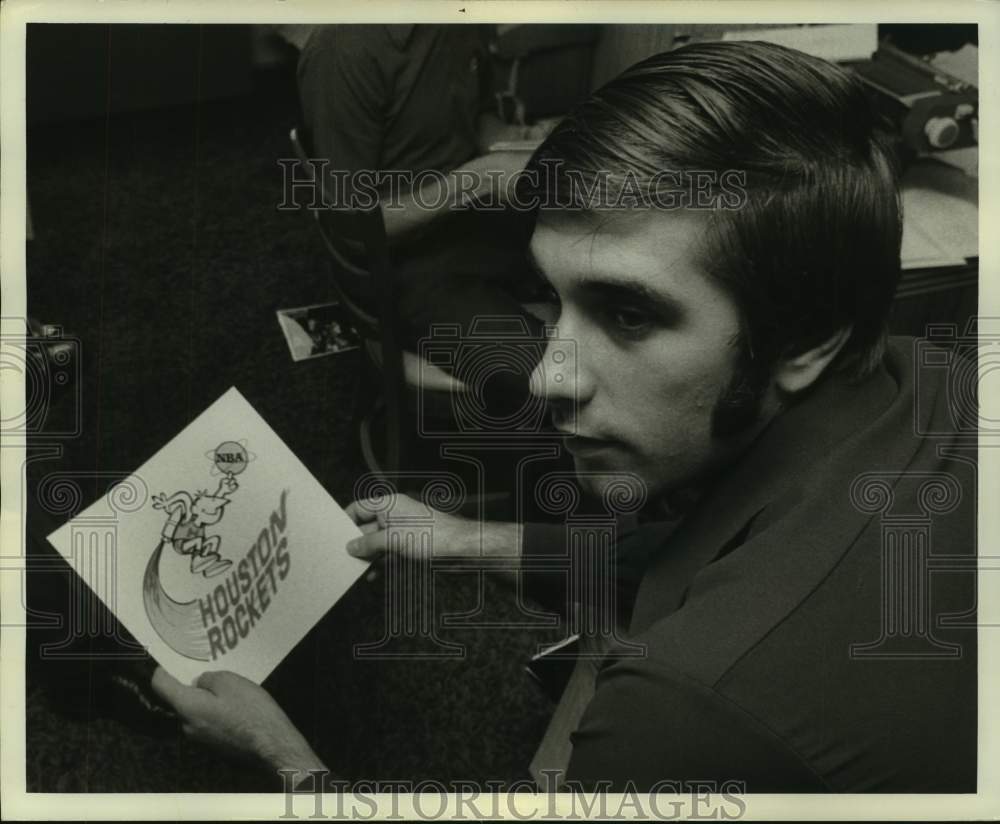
(797, 637)
(393, 96)
(406, 99)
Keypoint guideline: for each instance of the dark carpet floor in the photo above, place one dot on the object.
(158, 245)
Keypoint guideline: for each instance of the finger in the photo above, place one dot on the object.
(367, 529)
(364, 510)
(178, 695)
(372, 575)
(212, 680)
(368, 547)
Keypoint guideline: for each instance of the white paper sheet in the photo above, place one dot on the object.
(224, 549)
(854, 41)
(940, 216)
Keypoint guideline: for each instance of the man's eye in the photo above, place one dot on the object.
(550, 295)
(629, 321)
(546, 305)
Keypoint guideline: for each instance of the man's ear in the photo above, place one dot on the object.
(797, 372)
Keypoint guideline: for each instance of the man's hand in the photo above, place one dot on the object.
(231, 713)
(454, 537)
(493, 130)
(540, 129)
(496, 175)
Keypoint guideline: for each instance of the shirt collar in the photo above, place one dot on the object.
(773, 467)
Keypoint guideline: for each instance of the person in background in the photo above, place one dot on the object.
(414, 99)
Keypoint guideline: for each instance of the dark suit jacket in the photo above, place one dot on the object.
(810, 626)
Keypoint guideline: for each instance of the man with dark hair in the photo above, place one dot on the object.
(802, 473)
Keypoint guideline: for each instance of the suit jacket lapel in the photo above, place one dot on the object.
(772, 467)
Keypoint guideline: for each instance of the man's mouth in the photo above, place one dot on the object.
(583, 445)
(579, 442)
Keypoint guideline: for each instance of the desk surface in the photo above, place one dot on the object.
(940, 216)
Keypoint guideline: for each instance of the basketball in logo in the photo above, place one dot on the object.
(230, 458)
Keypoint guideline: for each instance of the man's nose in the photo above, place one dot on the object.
(554, 377)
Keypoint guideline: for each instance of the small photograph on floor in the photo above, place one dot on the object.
(317, 330)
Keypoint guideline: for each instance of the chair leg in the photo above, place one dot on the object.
(361, 403)
(366, 426)
(394, 448)
(371, 401)
(366, 392)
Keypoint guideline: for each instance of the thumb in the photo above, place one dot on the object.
(368, 547)
(178, 695)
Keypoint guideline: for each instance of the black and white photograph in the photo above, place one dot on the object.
(314, 331)
(652, 477)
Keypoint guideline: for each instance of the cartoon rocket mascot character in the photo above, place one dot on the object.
(188, 517)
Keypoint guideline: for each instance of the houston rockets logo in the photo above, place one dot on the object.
(185, 533)
(206, 624)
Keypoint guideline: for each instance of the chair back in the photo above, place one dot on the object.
(363, 280)
(344, 233)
